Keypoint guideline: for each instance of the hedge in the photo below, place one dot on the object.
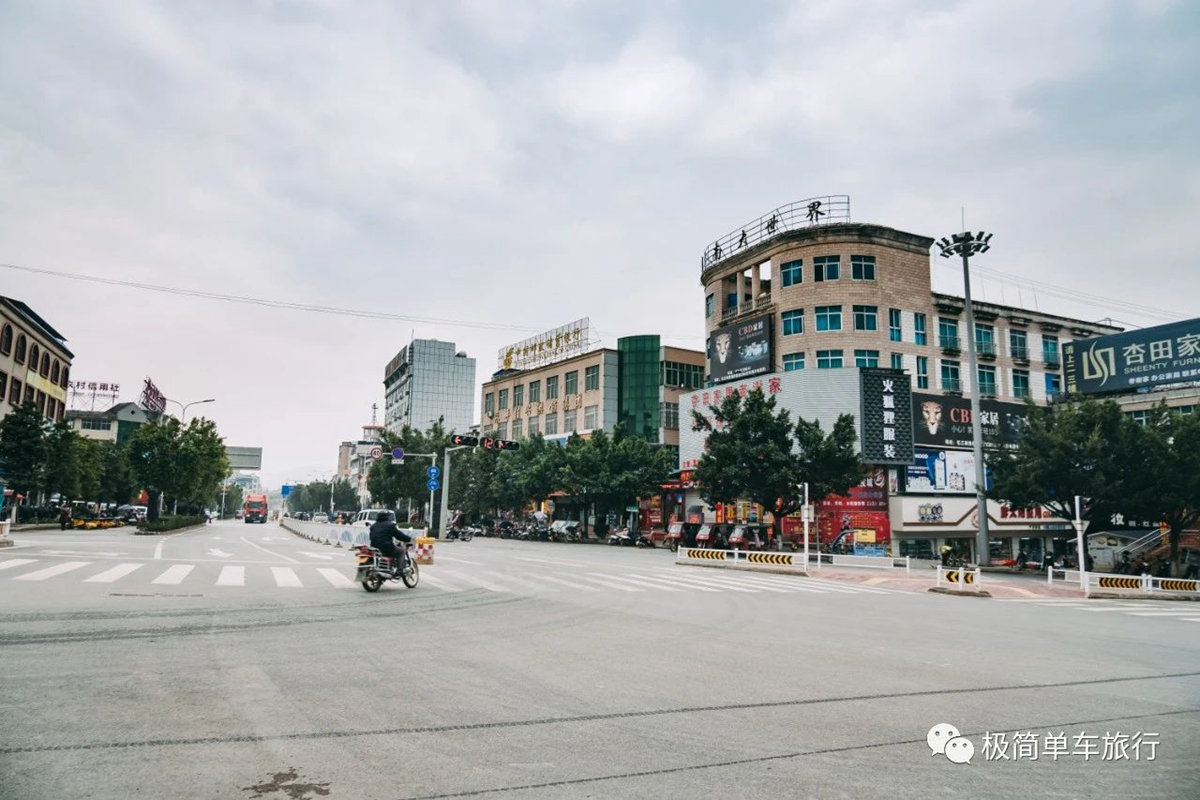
(170, 523)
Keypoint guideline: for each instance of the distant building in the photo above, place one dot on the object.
(345, 452)
(35, 364)
(426, 381)
(359, 461)
(117, 424)
(248, 481)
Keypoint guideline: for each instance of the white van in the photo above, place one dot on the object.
(364, 519)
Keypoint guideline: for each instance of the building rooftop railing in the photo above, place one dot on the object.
(813, 212)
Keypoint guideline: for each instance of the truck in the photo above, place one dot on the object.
(255, 508)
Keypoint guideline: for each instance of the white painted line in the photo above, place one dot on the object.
(796, 585)
(440, 557)
(265, 550)
(670, 581)
(113, 574)
(834, 586)
(639, 582)
(232, 576)
(438, 583)
(285, 578)
(174, 575)
(580, 586)
(50, 572)
(9, 563)
(522, 582)
(158, 549)
(491, 587)
(1161, 613)
(335, 577)
(698, 581)
(554, 561)
(610, 584)
(1189, 619)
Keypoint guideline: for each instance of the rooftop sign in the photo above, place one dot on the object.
(560, 343)
(808, 213)
(1127, 361)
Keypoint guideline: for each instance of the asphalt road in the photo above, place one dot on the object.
(240, 661)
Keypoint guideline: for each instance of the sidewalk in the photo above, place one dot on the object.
(998, 585)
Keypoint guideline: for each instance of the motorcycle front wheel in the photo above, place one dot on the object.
(466, 537)
(411, 575)
(372, 583)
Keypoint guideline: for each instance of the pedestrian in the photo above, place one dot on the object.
(1021, 558)
(1089, 562)
(64, 517)
(1193, 564)
(1124, 566)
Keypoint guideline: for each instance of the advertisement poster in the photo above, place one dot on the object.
(740, 350)
(941, 472)
(885, 420)
(945, 421)
(847, 523)
(1123, 361)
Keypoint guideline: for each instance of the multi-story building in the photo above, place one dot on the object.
(361, 457)
(429, 380)
(35, 364)
(117, 424)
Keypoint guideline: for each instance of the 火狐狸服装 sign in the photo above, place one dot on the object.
(944, 421)
(740, 350)
(1123, 361)
(886, 425)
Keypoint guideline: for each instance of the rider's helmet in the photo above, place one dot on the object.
(386, 516)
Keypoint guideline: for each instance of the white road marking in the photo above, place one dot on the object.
(50, 572)
(174, 575)
(158, 549)
(16, 562)
(232, 576)
(219, 553)
(835, 586)
(438, 583)
(114, 573)
(78, 553)
(268, 552)
(522, 582)
(323, 556)
(1161, 613)
(605, 582)
(440, 557)
(335, 577)
(491, 587)
(670, 580)
(797, 585)
(636, 581)
(697, 580)
(284, 577)
(580, 586)
(554, 561)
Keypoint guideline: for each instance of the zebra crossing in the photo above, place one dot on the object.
(1182, 611)
(460, 576)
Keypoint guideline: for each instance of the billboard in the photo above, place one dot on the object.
(740, 350)
(1125, 361)
(152, 399)
(941, 472)
(562, 342)
(244, 457)
(945, 421)
(885, 421)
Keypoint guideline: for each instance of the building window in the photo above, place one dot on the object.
(829, 318)
(1049, 350)
(793, 322)
(572, 383)
(1141, 417)
(34, 352)
(516, 428)
(985, 339)
(591, 378)
(14, 393)
(518, 395)
(96, 424)
(793, 362)
(792, 273)
(40, 402)
(684, 376)
(920, 335)
(6, 339)
(551, 390)
(948, 333)
(829, 359)
(535, 391)
(533, 426)
(19, 356)
(862, 268)
(1020, 383)
(1053, 384)
(1018, 345)
(1185, 411)
(987, 381)
(922, 372)
(950, 378)
(503, 404)
(552, 424)
(502, 431)
(45, 368)
(866, 318)
(592, 413)
(708, 306)
(894, 325)
(569, 421)
(54, 371)
(897, 361)
(3, 385)
(826, 268)
(866, 358)
(669, 413)
(489, 404)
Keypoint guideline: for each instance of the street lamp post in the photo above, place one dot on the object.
(183, 419)
(967, 244)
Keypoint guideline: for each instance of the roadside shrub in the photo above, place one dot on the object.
(169, 523)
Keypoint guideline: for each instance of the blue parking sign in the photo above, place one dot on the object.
(433, 473)
(433, 485)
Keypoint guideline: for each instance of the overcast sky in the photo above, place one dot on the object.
(523, 164)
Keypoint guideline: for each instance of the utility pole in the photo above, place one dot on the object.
(968, 244)
(442, 525)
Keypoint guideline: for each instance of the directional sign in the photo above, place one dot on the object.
(433, 473)
(433, 485)
(376, 453)
(286, 489)
(398, 452)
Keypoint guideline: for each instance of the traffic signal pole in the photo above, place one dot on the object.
(446, 487)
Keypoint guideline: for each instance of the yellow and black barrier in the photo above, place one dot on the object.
(712, 555)
(1109, 582)
(952, 576)
(1176, 585)
(779, 559)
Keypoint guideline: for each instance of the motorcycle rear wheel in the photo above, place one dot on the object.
(410, 575)
(466, 537)
(372, 583)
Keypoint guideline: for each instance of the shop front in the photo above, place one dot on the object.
(923, 525)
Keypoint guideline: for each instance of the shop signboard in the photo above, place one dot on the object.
(945, 421)
(885, 424)
(863, 508)
(1124, 361)
(941, 472)
(740, 349)
(152, 398)
(560, 343)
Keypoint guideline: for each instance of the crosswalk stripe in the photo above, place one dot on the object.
(335, 577)
(174, 575)
(1161, 613)
(438, 583)
(522, 582)
(797, 585)
(604, 581)
(16, 562)
(720, 579)
(286, 578)
(113, 574)
(845, 588)
(639, 582)
(461, 576)
(671, 581)
(698, 581)
(581, 586)
(50, 572)
(232, 576)
(555, 561)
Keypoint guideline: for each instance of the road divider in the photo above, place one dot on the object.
(1103, 583)
(959, 580)
(741, 559)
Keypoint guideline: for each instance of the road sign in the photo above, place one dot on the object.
(397, 460)
(398, 453)
(285, 490)
(376, 453)
(433, 473)
(433, 485)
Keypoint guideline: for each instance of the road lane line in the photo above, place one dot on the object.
(556, 562)
(763, 583)
(113, 574)
(438, 583)
(174, 575)
(232, 576)
(442, 557)
(638, 582)
(269, 552)
(667, 580)
(335, 577)
(16, 562)
(158, 549)
(286, 578)
(581, 586)
(50, 572)
(491, 587)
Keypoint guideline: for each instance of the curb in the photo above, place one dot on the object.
(956, 593)
(168, 533)
(1141, 596)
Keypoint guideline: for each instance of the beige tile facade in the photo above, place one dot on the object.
(35, 364)
(581, 411)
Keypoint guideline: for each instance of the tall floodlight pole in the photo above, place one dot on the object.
(967, 244)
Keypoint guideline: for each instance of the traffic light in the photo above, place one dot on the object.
(464, 441)
(500, 444)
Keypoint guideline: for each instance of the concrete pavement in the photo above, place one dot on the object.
(227, 662)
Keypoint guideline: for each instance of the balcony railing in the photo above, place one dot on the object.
(763, 303)
(809, 213)
(985, 349)
(1020, 392)
(1051, 358)
(950, 344)
(987, 390)
(1020, 353)
(951, 385)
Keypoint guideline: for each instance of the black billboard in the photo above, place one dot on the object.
(946, 421)
(740, 350)
(886, 420)
(1127, 361)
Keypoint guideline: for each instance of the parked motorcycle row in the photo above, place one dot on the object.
(540, 531)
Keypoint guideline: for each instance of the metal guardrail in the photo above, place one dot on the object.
(742, 559)
(810, 213)
(960, 578)
(1142, 584)
(865, 562)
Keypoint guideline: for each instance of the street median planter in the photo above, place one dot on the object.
(169, 525)
(958, 592)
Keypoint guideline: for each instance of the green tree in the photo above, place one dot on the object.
(232, 500)
(829, 463)
(1166, 485)
(633, 469)
(91, 468)
(116, 481)
(153, 458)
(23, 448)
(389, 483)
(580, 469)
(344, 496)
(201, 462)
(60, 474)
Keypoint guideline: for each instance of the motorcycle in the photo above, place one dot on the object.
(374, 569)
(620, 537)
(461, 534)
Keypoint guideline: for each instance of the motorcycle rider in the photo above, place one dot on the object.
(383, 531)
